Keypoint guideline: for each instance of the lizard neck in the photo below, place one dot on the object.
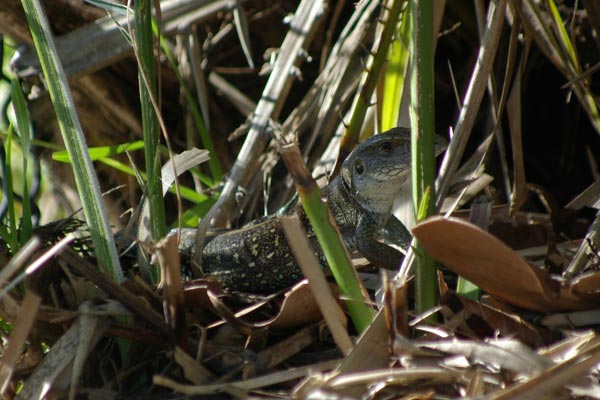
(346, 201)
(344, 207)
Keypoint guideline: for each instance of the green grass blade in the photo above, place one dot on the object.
(395, 74)
(192, 215)
(424, 206)
(85, 177)
(467, 289)
(11, 214)
(423, 158)
(564, 40)
(110, 6)
(570, 53)
(357, 301)
(38, 143)
(23, 124)
(148, 86)
(99, 152)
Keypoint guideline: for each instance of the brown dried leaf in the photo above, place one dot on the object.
(299, 308)
(173, 297)
(586, 286)
(192, 370)
(18, 336)
(493, 266)
(507, 324)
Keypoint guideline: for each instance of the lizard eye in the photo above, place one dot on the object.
(359, 167)
(386, 146)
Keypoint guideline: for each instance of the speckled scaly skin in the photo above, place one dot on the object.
(257, 258)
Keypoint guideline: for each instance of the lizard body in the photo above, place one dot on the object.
(257, 258)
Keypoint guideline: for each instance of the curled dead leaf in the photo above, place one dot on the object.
(496, 268)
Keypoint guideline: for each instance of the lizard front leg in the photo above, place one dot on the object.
(368, 244)
(395, 232)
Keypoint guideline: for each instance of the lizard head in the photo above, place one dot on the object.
(377, 167)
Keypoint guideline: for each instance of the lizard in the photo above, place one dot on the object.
(256, 258)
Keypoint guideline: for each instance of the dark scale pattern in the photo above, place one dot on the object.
(255, 259)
